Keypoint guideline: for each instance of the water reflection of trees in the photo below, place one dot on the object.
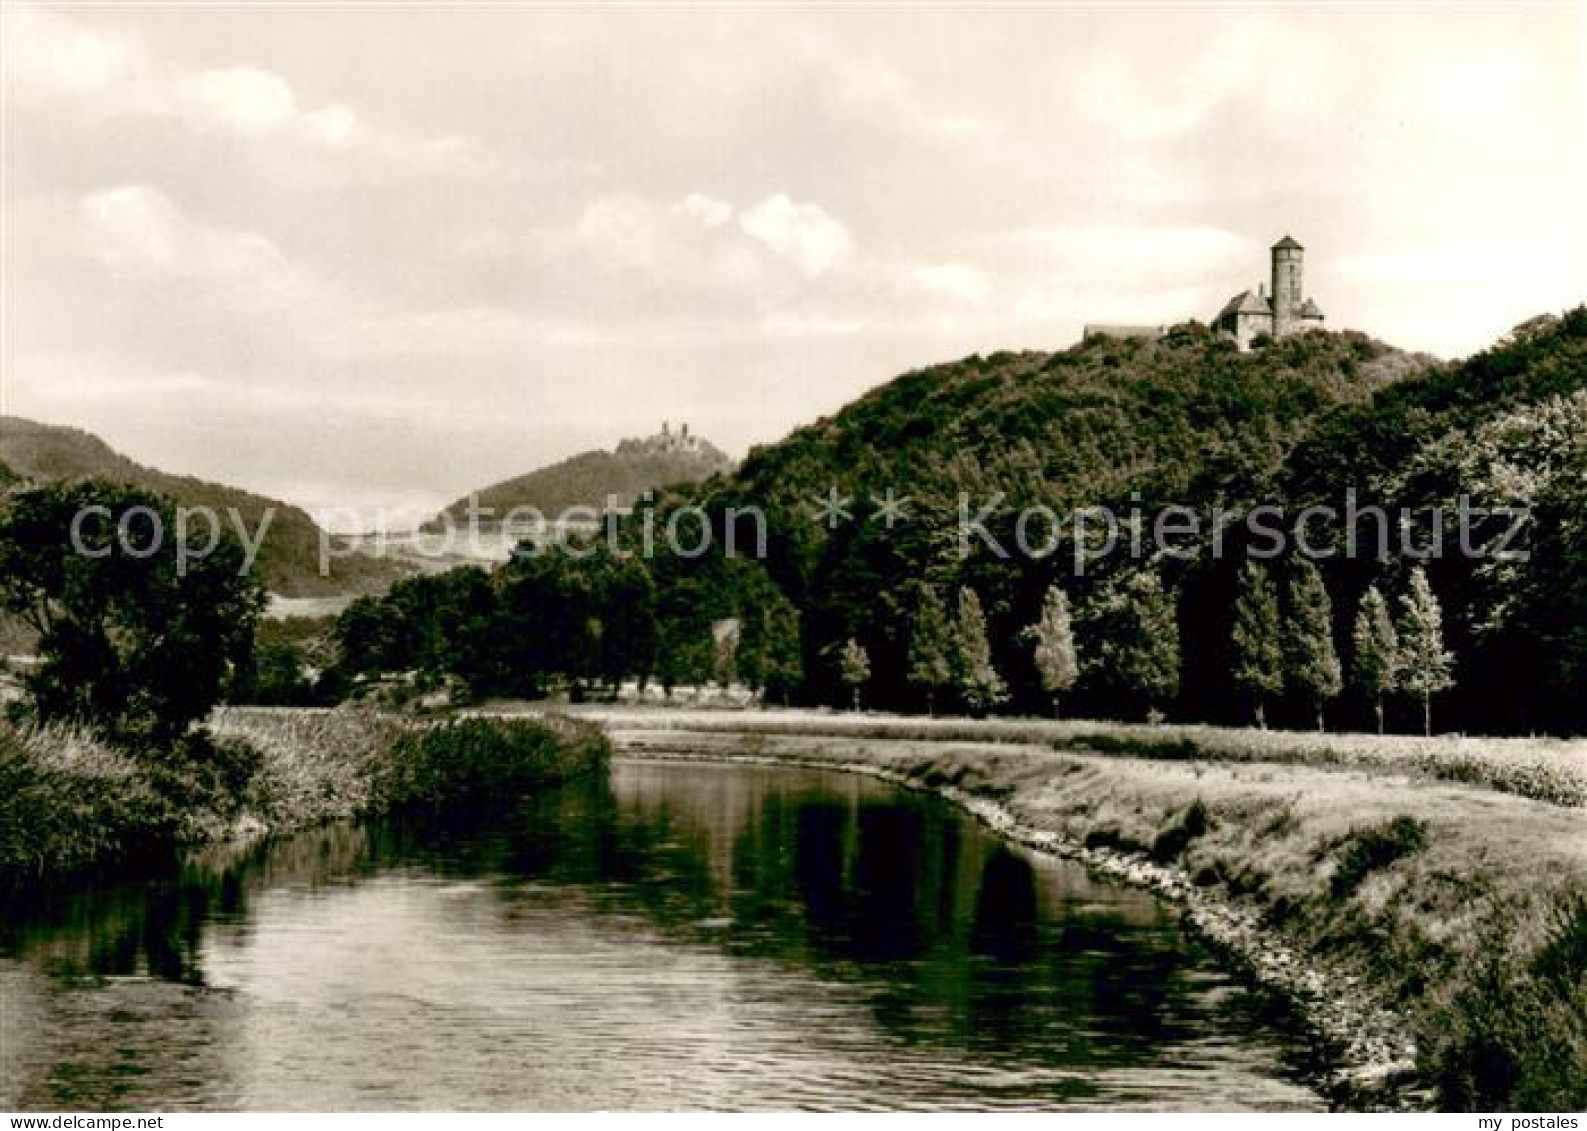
(942, 929)
(945, 933)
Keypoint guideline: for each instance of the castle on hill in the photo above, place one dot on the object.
(1285, 311)
(664, 442)
(1251, 313)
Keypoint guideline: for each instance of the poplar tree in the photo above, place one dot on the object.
(1053, 638)
(1428, 668)
(1375, 663)
(1134, 633)
(930, 647)
(1258, 640)
(854, 668)
(978, 682)
(1314, 669)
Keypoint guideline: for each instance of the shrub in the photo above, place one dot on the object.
(1190, 823)
(479, 759)
(203, 782)
(1514, 1036)
(1367, 850)
(1111, 836)
(69, 802)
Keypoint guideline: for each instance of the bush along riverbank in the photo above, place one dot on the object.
(1432, 933)
(71, 803)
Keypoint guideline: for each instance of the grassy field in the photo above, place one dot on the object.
(1425, 901)
(1545, 769)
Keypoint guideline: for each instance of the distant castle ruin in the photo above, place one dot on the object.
(1253, 313)
(666, 441)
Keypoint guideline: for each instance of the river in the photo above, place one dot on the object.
(679, 935)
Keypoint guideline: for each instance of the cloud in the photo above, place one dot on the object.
(52, 58)
(955, 280)
(1158, 91)
(136, 231)
(883, 95)
(803, 234)
(574, 222)
(333, 125)
(48, 54)
(700, 242)
(708, 210)
(246, 98)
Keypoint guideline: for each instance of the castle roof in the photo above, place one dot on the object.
(1246, 302)
(1310, 309)
(1288, 243)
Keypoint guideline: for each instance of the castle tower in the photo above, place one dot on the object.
(1288, 256)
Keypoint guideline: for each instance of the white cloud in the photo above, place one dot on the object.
(878, 92)
(333, 125)
(708, 210)
(46, 53)
(50, 57)
(243, 97)
(955, 280)
(803, 234)
(137, 231)
(1161, 91)
(694, 245)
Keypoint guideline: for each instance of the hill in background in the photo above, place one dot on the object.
(1187, 420)
(289, 558)
(591, 479)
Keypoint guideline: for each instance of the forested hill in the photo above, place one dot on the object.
(289, 559)
(841, 600)
(1180, 419)
(1187, 420)
(591, 478)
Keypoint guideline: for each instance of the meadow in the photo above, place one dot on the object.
(1544, 769)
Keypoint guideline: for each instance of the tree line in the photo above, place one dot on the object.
(1280, 644)
(549, 622)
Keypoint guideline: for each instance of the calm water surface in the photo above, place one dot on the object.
(680, 936)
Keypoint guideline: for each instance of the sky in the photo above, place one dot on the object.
(370, 257)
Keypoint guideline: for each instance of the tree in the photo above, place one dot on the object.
(139, 624)
(1053, 640)
(1375, 645)
(366, 633)
(1258, 640)
(625, 600)
(1134, 633)
(1427, 667)
(770, 652)
(930, 647)
(1314, 670)
(1551, 601)
(854, 668)
(276, 678)
(724, 664)
(979, 685)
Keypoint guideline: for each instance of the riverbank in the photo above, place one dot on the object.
(70, 804)
(1429, 930)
